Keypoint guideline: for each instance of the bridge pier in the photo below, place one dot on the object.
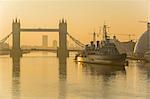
(62, 51)
(16, 50)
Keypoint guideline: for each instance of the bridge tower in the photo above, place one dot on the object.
(62, 50)
(16, 50)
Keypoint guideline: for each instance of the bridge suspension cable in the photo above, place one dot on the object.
(5, 38)
(76, 41)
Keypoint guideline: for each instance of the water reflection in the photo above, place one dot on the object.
(85, 81)
(147, 69)
(106, 72)
(62, 78)
(102, 81)
(16, 89)
(16, 78)
(96, 69)
(62, 68)
(136, 79)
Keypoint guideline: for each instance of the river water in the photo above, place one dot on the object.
(42, 76)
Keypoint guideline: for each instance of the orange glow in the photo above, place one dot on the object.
(83, 17)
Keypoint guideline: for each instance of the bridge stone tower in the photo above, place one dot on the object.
(62, 50)
(16, 50)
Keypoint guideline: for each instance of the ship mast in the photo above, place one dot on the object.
(94, 37)
(105, 37)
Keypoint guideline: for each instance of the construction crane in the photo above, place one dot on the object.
(148, 24)
(5, 38)
(129, 35)
(76, 41)
(143, 21)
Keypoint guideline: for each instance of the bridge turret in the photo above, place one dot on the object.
(16, 50)
(16, 25)
(63, 26)
(62, 50)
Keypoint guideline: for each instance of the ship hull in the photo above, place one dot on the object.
(103, 59)
(147, 58)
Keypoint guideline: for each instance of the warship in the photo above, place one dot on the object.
(104, 52)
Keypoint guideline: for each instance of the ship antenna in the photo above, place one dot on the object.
(99, 33)
(94, 36)
(104, 32)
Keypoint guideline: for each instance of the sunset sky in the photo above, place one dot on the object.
(83, 17)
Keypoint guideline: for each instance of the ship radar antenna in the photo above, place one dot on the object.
(94, 36)
(99, 32)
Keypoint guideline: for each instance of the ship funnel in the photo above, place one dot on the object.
(92, 45)
(97, 44)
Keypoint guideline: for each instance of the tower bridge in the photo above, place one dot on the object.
(17, 29)
(62, 51)
(16, 51)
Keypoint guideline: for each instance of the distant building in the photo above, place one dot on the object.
(124, 47)
(54, 44)
(143, 43)
(45, 41)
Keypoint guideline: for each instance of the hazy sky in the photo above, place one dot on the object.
(83, 17)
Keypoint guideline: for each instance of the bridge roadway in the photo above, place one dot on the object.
(50, 50)
(43, 49)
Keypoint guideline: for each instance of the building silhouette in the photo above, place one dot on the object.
(45, 41)
(54, 44)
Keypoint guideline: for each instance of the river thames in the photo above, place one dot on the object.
(42, 76)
